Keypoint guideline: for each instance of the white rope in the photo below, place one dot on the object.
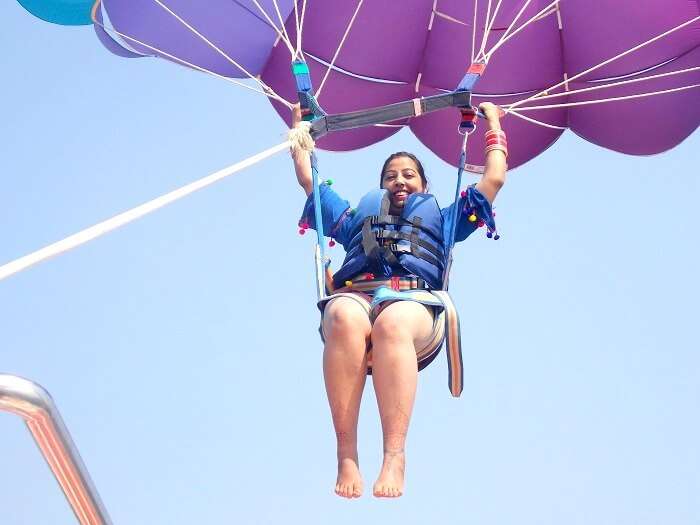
(602, 100)
(104, 227)
(277, 30)
(516, 113)
(207, 41)
(284, 27)
(476, 4)
(487, 32)
(546, 11)
(445, 16)
(266, 90)
(297, 21)
(616, 57)
(615, 84)
(340, 46)
(301, 25)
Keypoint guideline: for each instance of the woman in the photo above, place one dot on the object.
(382, 331)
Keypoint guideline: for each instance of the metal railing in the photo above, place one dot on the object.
(34, 404)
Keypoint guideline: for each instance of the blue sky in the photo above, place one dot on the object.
(182, 349)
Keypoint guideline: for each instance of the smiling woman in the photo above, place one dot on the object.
(388, 311)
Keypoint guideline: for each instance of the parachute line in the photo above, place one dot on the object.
(543, 13)
(476, 4)
(274, 26)
(105, 16)
(355, 75)
(266, 90)
(488, 26)
(284, 27)
(340, 46)
(446, 16)
(602, 100)
(300, 31)
(297, 21)
(516, 113)
(206, 40)
(605, 62)
(126, 217)
(614, 84)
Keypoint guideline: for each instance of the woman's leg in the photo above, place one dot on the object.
(346, 329)
(395, 375)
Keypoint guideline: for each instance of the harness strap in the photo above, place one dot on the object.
(453, 344)
(365, 283)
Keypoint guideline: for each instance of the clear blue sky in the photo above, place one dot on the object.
(182, 349)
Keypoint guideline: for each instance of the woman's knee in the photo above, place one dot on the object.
(344, 317)
(401, 322)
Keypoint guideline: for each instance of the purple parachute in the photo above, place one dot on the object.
(378, 52)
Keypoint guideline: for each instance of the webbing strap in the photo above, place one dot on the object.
(309, 109)
(453, 344)
(389, 113)
(411, 238)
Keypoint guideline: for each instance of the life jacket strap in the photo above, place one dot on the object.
(412, 238)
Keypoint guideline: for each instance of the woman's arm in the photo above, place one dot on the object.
(301, 158)
(495, 169)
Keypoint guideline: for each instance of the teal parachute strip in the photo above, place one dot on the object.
(63, 12)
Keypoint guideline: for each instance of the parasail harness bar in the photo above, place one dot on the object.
(322, 123)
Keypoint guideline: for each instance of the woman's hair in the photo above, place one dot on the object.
(411, 156)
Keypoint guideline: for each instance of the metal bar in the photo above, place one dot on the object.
(34, 404)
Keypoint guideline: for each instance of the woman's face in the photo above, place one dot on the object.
(401, 178)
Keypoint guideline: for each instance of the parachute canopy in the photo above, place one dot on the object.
(553, 56)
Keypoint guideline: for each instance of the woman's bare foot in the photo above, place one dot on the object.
(389, 484)
(349, 482)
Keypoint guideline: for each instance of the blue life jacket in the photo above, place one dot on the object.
(388, 245)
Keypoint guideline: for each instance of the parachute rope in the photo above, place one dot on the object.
(340, 46)
(300, 31)
(126, 217)
(614, 84)
(605, 62)
(274, 26)
(206, 40)
(476, 5)
(284, 28)
(516, 113)
(265, 90)
(543, 13)
(603, 100)
(297, 52)
(487, 30)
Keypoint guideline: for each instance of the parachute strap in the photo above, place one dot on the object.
(470, 115)
(310, 108)
(400, 110)
(453, 344)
